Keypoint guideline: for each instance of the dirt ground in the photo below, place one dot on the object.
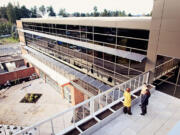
(12, 112)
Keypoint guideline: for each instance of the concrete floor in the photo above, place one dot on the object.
(163, 115)
(12, 112)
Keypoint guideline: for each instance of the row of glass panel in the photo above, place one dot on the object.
(107, 40)
(89, 55)
(136, 33)
(80, 59)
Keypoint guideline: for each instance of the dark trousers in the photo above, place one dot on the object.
(127, 109)
(144, 109)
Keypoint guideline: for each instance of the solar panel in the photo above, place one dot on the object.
(88, 79)
(96, 83)
(104, 88)
(80, 75)
(93, 82)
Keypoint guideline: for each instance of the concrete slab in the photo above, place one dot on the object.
(163, 114)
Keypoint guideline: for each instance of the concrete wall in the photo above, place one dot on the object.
(76, 96)
(164, 31)
(169, 38)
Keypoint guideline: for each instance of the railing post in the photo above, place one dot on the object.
(63, 122)
(135, 83)
(92, 106)
(74, 117)
(83, 111)
(139, 81)
(39, 130)
(52, 127)
(147, 78)
(106, 98)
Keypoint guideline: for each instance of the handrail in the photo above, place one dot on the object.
(107, 93)
(95, 102)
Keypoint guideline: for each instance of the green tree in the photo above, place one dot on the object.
(11, 13)
(123, 13)
(96, 13)
(5, 28)
(17, 11)
(25, 13)
(129, 14)
(3, 13)
(76, 14)
(50, 10)
(104, 13)
(62, 12)
(42, 9)
(83, 15)
(34, 12)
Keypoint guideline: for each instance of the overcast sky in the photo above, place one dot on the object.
(130, 6)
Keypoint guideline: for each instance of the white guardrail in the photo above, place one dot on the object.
(84, 111)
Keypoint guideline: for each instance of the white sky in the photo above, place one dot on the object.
(130, 6)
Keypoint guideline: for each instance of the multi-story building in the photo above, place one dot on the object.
(92, 54)
(85, 56)
(101, 52)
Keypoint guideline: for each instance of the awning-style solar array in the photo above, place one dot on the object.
(89, 80)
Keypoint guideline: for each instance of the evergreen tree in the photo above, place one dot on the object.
(96, 13)
(34, 12)
(11, 13)
(25, 13)
(3, 13)
(42, 9)
(62, 12)
(50, 10)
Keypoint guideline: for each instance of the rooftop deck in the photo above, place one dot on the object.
(163, 114)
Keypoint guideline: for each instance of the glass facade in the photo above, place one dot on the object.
(111, 68)
(108, 68)
(170, 82)
(126, 39)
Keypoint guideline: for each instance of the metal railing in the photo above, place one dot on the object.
(164, 68)
(82, 112)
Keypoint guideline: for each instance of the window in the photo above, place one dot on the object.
(144, 34)
(73, 27)
(109, 57)
(104, 30)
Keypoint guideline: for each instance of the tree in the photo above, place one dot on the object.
(129, 14)
(83, 15)
(123, 13)
(5, 28)
(3, 13)
(17, 12)
(62, 12)
(95, 11)
(34, 12)
(76, 14)
(104, 13)
(50, 10)
(25, 13)
(11, 13)
(42, 9)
